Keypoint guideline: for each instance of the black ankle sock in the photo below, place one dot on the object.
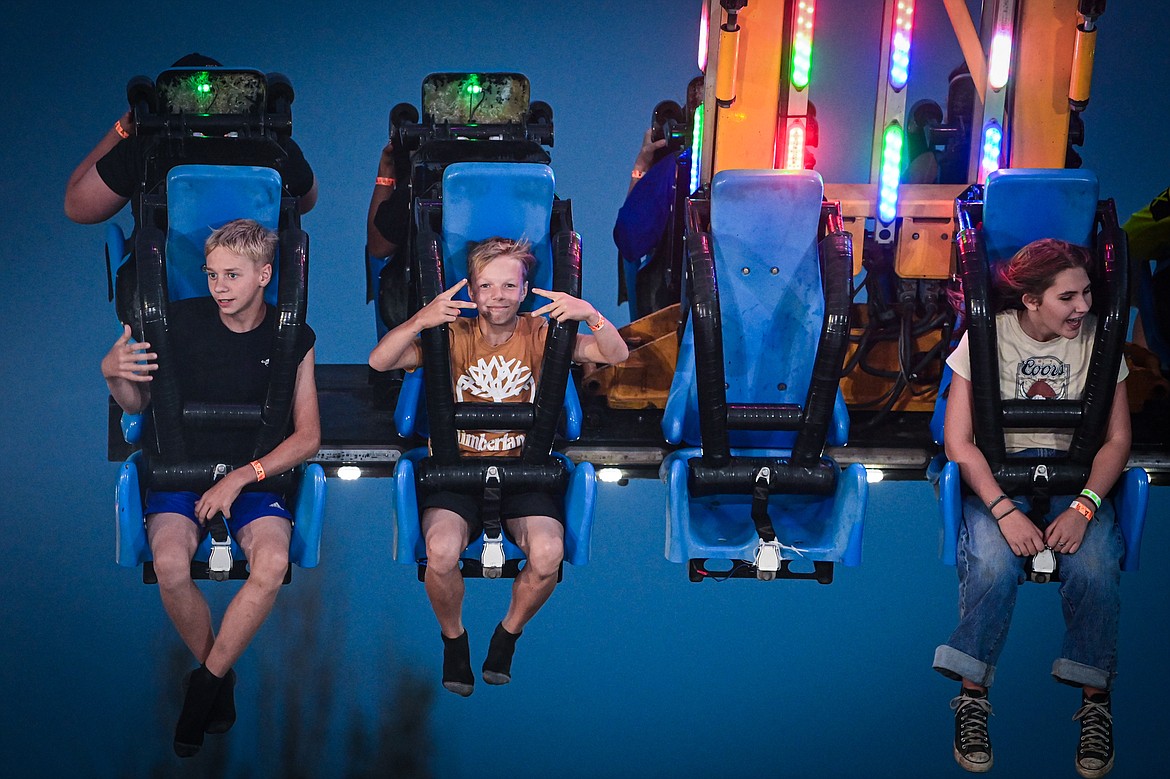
(497, 666)
(223, 711)
(457, 675)
(1099, 697)
(202, 688)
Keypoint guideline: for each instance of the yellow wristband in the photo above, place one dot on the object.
(120, 130)
(600, 323)
(383, 181)
(1082, 509)
(256, 466)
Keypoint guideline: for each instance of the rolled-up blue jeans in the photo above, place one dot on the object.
(989, 577)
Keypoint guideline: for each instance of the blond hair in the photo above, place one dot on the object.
(491, 249)
(245, 237)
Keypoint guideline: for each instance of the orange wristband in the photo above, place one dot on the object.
(600, 323)
(1082, 509)
(120, 130)
(256, 466)
(383, 181)
(637, 174)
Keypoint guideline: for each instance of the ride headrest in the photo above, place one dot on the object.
(507, 199)
(203, 198)
(1024, 205)
(764, 227)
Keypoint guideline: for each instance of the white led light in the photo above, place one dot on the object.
(874, 475)
(349, 472)
(609, 475)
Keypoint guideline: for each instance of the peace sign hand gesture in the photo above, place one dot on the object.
(444, 309)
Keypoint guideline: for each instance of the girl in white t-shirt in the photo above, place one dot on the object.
(1045, 336)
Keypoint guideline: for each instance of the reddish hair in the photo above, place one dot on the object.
(1033, 269)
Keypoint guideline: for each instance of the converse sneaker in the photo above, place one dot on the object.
(1095, 749)
(972, 743)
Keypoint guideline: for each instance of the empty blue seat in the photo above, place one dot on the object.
(756, 392)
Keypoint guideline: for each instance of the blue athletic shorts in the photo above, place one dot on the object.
(248, 506)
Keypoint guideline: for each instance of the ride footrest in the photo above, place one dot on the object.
(698, 571)
(200, 570)
(473, 569)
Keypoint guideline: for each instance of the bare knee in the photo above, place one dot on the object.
(444, 547)
(268, 565)
(545, 554)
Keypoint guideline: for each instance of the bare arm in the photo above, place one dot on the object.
(1066, 532)
(126, 369)
(395, 351)
(604, 346)
(645, 159)
(959, 433)
(376, 243)
(304, 442)
(306, 201)
(87, 198)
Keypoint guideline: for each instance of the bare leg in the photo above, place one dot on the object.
(265, 543)
(445, 534)
(543, 541)
(173, 541)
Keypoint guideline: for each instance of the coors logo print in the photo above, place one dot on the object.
(1042, 378)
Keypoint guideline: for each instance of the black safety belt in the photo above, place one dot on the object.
(760, 505)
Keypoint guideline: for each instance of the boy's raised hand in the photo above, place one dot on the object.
(131, 362)
(564, 306)
(444, 309)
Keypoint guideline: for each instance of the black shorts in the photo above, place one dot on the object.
(521, 504)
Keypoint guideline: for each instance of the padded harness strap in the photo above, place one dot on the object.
(490, 508)
(760, 505)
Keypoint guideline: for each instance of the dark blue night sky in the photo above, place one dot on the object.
(630, 670)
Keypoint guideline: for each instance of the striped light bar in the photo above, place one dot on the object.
(891, 173)
(794, 148)
(802, 44)
(696, 148)
(992, 145)
(1000, 60)
(900, 44)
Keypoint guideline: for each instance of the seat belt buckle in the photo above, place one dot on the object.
(219, 472)
(767, 560)
(219, 562)
(492, 557)
(1042, 566)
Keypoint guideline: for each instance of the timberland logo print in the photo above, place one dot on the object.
(495, 380)
(1042, 378)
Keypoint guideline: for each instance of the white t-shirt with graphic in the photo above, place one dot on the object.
(1037, 370)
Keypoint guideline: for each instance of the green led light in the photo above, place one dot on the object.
(696, 147)
(202, 82)
(473, 87)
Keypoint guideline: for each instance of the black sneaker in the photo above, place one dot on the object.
(457, 674)
(497, 666)
(972, 743)
(1095, 749)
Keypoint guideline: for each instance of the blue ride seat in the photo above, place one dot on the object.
(200, 199)
(757, 384)
(1013, 209)
(482, 200)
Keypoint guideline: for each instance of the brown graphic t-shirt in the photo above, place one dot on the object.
(507, 373)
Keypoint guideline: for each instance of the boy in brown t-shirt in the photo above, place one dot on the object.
(495, 356)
